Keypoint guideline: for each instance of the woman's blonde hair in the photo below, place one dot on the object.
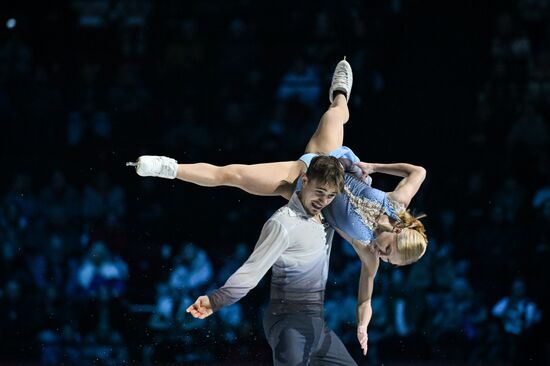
(412, 241)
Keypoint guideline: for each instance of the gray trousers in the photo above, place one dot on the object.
(298, 335)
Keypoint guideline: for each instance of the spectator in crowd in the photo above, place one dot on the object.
(301, 82)
(459, 317)
(192, 270)
(517, 314)
(102, 269)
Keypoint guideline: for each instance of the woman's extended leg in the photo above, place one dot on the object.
(269, 179)
(330, 132)
(272, 179)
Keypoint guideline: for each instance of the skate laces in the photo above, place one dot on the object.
(341, 75)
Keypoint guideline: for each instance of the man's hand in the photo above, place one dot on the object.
(201, 308)
(363, 338)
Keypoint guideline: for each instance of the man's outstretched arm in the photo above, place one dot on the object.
(272, 243)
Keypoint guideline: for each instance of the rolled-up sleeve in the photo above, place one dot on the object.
(272, 243)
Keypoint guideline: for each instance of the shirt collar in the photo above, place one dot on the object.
(296, 205)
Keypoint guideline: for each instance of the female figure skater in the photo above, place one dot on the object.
(376, 223)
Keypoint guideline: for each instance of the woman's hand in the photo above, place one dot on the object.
(363, 338)
(367, 168)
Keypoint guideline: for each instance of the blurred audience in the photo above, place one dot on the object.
(89, 273)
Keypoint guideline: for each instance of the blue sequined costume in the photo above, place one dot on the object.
(357, 209)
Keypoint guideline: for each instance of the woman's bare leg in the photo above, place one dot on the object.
(270, 179)
(330, 132)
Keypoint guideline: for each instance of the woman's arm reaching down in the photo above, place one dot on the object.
(369, 268)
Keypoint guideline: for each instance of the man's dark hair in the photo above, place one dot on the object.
(326, 170)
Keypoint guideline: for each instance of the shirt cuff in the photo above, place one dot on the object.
(216, 300)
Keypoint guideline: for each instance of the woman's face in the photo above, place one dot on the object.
(385, 247)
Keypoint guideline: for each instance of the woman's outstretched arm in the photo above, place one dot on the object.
(413, 177)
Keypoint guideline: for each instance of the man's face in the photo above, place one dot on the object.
(315, 196)
(385, 246)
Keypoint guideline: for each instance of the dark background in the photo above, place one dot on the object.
(97, 262)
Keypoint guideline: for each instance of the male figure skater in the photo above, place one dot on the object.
(295, 242)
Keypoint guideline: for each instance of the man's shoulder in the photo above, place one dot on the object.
(286, 216)
(285, 211)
